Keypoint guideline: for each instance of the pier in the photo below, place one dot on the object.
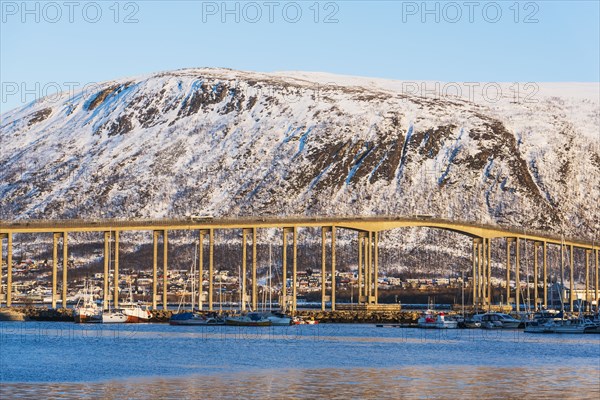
(367, 229)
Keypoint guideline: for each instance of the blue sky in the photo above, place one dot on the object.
(47, 45)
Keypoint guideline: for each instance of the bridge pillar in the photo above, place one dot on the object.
(323, 268)
(1, 255)
(508, 245)
(244, 267)
(254, 283)
(376, 261)
(283, 301)
(571, 280)
(211, 267)
(517, 275)
(536, 245)
(587, 280)
(55, 237)
(105, 288)
(545, 267)
(64, 272)
(165, 271)
(596, 285)
(333, 268)
(369, 261)
(9, 269)
(360, 262)
(489, 271)
(480, 271)
(116, 277)
(474, 279)
(294, 270)
(155, 235)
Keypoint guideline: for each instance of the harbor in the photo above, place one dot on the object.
(296, 361)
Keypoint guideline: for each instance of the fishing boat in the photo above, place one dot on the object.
(250, 319)
(429, 320)
(134, 311)
(86, 310)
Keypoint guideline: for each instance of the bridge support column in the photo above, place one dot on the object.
(596, 285)
(360, 266)
(545, 267)
(517, 275)
(284, 300)
(376, 261)
(244, 267)
(571, 280)
(508, 245)
(535, 275)
(201, 235)
(55, 237)
(165, 271)
(1, 256)
(587, 280)
(474, 279)
(484, 272)
(480, 271)
(294, 270)
(105, 288)
(155, 235)
(489, 272)
(369, 264)
(323, 268)
(333, 268)
(254, 283)
(64, 272)
(211, 267)
(116, 277)
(9, 240)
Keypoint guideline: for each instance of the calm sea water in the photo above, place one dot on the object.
(65, 360)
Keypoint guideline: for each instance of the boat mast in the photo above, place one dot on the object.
(562, 272)
(528, 308)
(463, 294)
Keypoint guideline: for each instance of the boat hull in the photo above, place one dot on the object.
(246, 323)
(114, 318)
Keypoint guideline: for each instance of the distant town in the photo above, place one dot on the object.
(32, 285)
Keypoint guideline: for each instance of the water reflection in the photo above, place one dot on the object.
(341, 383)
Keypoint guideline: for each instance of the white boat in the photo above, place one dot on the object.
(114, 317)
(86, 309)
(499, 321)
(561, 326)
(279, 319)
(429, 320)
(135, 312)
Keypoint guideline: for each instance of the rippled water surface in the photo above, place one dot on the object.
(64, 360)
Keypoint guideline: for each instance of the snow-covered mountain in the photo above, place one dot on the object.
(231, 143)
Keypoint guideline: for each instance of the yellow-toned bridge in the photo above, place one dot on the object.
(367, 228)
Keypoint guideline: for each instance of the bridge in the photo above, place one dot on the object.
(367, 229)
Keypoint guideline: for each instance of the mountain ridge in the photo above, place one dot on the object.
(233, 143)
